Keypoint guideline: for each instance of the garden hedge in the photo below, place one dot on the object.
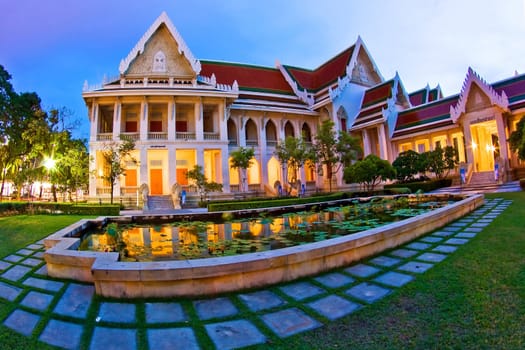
(425, 186)
(16, 207)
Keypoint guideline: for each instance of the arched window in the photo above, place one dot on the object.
(159, 62)
(232, 133)
(306, 133)
(342, 116)
(288, 130)
(271, 134)
(251, 133)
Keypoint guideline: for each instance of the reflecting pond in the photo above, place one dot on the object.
(198, 239)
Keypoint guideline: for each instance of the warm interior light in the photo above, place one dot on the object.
(474, 145)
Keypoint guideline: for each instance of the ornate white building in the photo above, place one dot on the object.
(182, 111)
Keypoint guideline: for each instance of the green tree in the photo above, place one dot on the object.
(241, 159)
(334, 152)
(201, 182)
(115, 155)
(292, 154)
(369, 172)
(517, 139)
(441, 160)
(407, 165)
(71, 170)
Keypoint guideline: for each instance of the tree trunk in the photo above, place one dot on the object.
(54, 192)
(111, 193)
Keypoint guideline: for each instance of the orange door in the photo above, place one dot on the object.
(181, 177)
(131, 180)
(155, 180)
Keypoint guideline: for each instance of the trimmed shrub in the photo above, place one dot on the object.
(15, 208)
(425, 186)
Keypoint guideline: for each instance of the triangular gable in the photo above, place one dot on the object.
(479, 89)
(182, 48)
(362, 68)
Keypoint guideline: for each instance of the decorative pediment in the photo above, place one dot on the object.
(475, 94)
(362, 68)
(161, 50)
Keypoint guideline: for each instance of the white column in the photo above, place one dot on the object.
(117, 119)
(143, 161)
(223, 122)
(172, 112)
(199, 135)
(468, 144)
(503, 146)
(383, 147)
(242, 132)
(200, 156)
(225, 169)
(264, 155)
(94, 121)
(143, 123)
(172, 166)
(366, 143)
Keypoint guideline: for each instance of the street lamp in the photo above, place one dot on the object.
(49, 163)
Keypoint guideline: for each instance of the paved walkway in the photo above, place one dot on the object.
(66, 313)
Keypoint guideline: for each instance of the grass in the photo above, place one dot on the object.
(474, 299)
(16, 232)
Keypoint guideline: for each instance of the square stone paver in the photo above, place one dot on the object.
(480, 224)
(431, 239)
(9, 292)
(473, 229)
(445, 249)
(75, 301)
(16, 273)
(52, 286)
(261, 300)
(456, 241)
(459, 224)
(165, 313)
(63, 334)
(486, 220)
(213, 308)
(368, 292)
(35, 246)
(442, 233)
(418, 246)
(466, 235)
(4, 265)
(113, 338)
(42, 271)
(301, 290)
(289, 322)
(334, 307)
(384, 261)
(31, 262)
(25, 252)
(22, 322)
(431, 257)
(362, 270)
(39, 255)
(451, 228)
(415, 266)
(171, 338)
(37, 300)
(13, 258)
(404, 253)
(234, 334)
(334, 280)
(117, 312)
(394, 279)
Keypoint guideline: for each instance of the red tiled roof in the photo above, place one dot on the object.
(324, 75)
(248, 77)
(418, 97)
(378, 93)
(438, 111)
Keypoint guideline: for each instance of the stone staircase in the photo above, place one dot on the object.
(160, 203)
(482, 178)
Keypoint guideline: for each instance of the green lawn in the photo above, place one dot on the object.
(16, 232)
(474, 299)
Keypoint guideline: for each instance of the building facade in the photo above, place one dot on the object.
(182, 112)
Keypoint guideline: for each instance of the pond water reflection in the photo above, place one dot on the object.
(196, 239)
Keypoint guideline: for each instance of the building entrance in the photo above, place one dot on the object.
(485, 145)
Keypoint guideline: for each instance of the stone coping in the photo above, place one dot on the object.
(210, 276)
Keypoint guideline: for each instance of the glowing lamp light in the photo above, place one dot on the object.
(49, 163)
(474, 145)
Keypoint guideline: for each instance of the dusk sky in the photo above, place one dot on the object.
(51, 47)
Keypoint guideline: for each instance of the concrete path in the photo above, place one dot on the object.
(66, 314)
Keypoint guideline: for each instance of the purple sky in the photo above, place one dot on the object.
(53, 46)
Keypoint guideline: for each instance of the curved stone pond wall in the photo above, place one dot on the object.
(113, 278)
